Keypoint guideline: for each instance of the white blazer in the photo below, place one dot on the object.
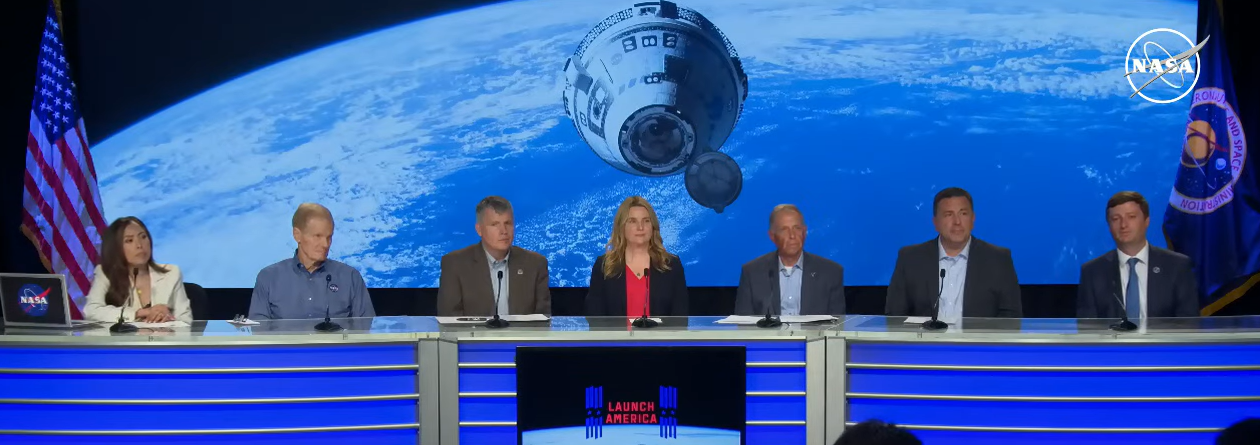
(167, 288)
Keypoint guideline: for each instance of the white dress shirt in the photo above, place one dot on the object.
(499, 287)
(1143, 265)
(951, 307)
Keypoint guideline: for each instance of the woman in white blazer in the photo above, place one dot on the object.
(129, 282)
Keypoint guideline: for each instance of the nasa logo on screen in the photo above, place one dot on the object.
(33, 300)
(1158, 63)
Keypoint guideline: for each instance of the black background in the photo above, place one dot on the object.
(13, 311)
(551, 383)
(242, 35)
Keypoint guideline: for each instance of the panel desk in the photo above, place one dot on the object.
(409, 380)
(1046, 381)
(273, 383)
(784, 380)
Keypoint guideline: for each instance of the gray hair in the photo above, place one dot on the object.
(496, 203)
(308, 210)
(785, 208)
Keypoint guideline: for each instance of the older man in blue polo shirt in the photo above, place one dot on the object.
(310, 285)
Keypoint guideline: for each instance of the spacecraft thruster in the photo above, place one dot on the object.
(655, 90)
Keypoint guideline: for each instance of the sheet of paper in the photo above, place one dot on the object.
(805, 318)
(528, 317)
(169, 324)
(739, 319)
(481, 320)
(917, 320)
(752, 320)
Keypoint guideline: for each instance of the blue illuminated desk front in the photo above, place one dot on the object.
(409, 380)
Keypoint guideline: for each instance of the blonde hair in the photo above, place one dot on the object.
(308, 211)
(615, 256)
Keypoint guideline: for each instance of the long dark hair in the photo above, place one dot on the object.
(114, 260)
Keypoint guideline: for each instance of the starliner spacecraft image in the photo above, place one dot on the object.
(655, 90)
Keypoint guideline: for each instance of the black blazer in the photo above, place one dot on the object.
(1171, 288)
(991, 290)
(666, 290)
(822, 286)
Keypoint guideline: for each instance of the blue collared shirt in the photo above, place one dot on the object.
(790, 287)
(497, 267)
(286, 290)
(955, 279)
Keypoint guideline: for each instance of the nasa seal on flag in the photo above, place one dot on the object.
(1209, 169)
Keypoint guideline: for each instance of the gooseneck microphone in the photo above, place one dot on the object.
(122, 327)
(934, 324)
(643, 321)
(327, 325)
(496, 322)
(1124, 324)
(770, 321)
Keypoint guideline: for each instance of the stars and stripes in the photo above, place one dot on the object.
(61, 203)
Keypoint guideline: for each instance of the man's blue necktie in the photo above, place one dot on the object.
(1133, 293)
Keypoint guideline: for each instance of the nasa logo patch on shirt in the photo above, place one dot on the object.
(332, 287)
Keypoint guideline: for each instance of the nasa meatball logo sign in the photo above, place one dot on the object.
(33, 300)
(1213, 155)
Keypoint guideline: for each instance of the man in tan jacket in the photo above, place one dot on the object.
(476, 278)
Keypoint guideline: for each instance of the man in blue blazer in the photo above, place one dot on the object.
(790, 281)
(1137, 279)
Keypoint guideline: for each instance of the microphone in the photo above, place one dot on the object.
(123, 327)
(934, 324)
(327, 325)
(770, 321)
(643, 321)
(1124, 324)
(496, 322)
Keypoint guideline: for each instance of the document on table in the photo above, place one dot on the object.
(751, 320)
(480, 320)
(169, 324)
(917, 320)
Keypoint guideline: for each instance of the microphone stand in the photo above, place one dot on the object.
(934, 324)
(327, 325)
(122, 327)
(1124, 325)
(643, 321)
(770, 321)
(496, 322)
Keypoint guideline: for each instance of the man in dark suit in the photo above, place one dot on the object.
(790, 281)
(967, 276)
(1137, 278)
(472, 277)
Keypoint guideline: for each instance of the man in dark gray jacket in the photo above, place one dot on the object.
(790, 281)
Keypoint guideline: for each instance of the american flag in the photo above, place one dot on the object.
(61, 204)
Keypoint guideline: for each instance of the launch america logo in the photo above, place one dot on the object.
(663, 412)
(594, 412)
(669, 412)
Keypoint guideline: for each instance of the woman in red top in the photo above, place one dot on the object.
(636, 267)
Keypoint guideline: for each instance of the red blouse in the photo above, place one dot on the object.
(636, 293)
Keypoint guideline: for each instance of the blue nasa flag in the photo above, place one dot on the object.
(1214, 211)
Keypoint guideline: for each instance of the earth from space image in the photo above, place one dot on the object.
(858, 112)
